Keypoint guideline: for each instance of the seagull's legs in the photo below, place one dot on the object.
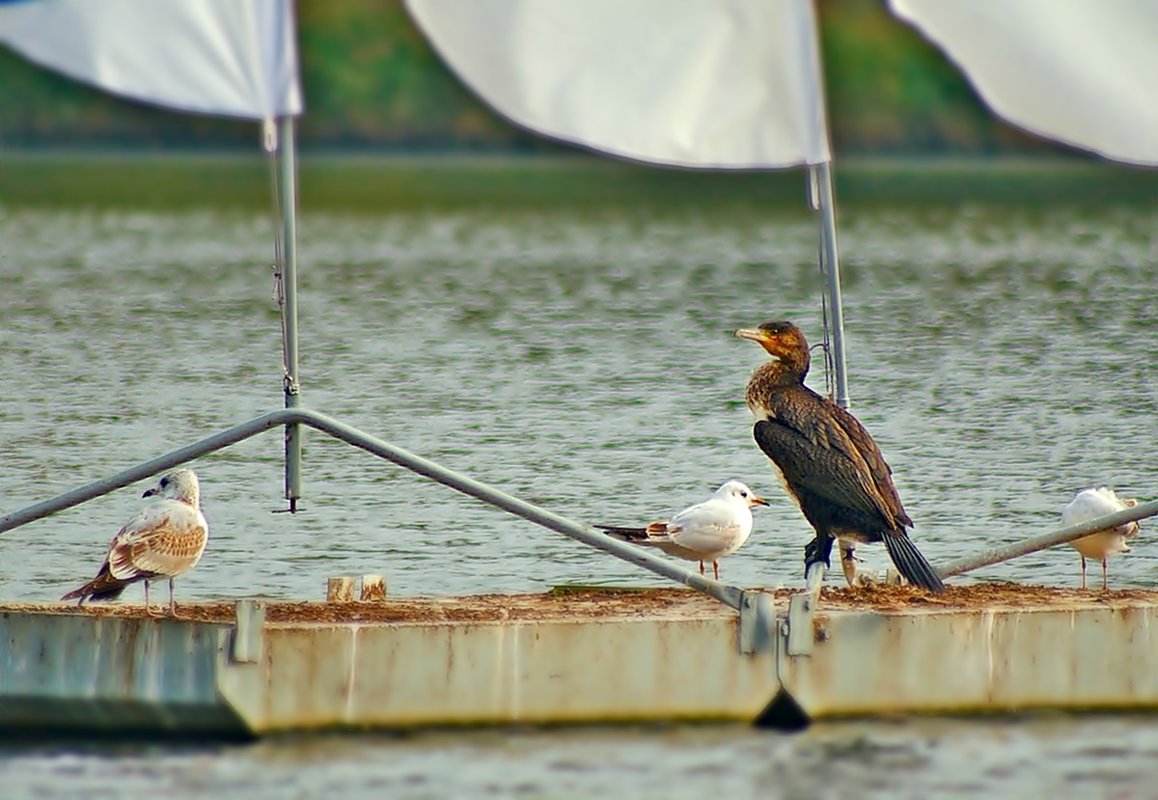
(172, 605)
(148, 612)
(701, 567)
(716, 569)
(1083, 558)
(1105, 583)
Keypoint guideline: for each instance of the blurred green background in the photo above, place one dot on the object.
(373, 83)
(387, 125)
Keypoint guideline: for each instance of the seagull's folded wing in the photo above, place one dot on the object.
(166, 539)
(707, 528)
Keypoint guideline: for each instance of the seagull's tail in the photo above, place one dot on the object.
(624, 534)
(911, 563)
(103, 587)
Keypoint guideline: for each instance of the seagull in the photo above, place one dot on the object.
(163, 540)
(1090, 504)
(707, 531)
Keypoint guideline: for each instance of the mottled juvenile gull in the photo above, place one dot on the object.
(163, 540)
(1090, 504)
(707, 531)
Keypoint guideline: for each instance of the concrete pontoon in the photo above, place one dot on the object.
(570, 656)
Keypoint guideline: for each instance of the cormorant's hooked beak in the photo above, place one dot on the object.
(758, 336)
(754, 334)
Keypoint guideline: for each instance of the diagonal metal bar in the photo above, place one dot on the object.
(1006, 552)
(144, 470)
(729, 595)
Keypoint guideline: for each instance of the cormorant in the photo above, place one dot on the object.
(827, 460)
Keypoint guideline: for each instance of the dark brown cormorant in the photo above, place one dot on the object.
(827, 460)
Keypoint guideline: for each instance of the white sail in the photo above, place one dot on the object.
(227, 57)
(692, 83)
(1083, 72)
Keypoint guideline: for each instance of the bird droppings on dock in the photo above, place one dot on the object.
(580, 604)
(617, 603)
(974, 597)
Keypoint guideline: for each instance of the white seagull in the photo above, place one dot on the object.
(707, 531)
(1090, 504)
(163, 540)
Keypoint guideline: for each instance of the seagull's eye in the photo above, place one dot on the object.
(743, 493)
(164, 482)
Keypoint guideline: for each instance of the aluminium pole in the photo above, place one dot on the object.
(287, 161)
(830, 264)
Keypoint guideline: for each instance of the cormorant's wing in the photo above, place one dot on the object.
(880, 470)
(824, 449)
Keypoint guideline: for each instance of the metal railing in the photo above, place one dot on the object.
(1032, 545)
(725, 593)
(731, 596)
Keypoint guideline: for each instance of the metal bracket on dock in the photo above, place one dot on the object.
(800, 636)
(799, 625)
(757, 623)
(246, 646)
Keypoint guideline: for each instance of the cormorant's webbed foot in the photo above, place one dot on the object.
(819, 550)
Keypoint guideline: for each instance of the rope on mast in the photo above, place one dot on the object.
(270, 145)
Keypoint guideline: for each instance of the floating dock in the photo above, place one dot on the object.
(249, 668)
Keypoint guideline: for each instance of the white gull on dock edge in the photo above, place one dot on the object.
(1090, 504)
(707, 531)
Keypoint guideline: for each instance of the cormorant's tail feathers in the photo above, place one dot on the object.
(911, 563)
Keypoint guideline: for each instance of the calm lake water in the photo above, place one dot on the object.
(1003, 354)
